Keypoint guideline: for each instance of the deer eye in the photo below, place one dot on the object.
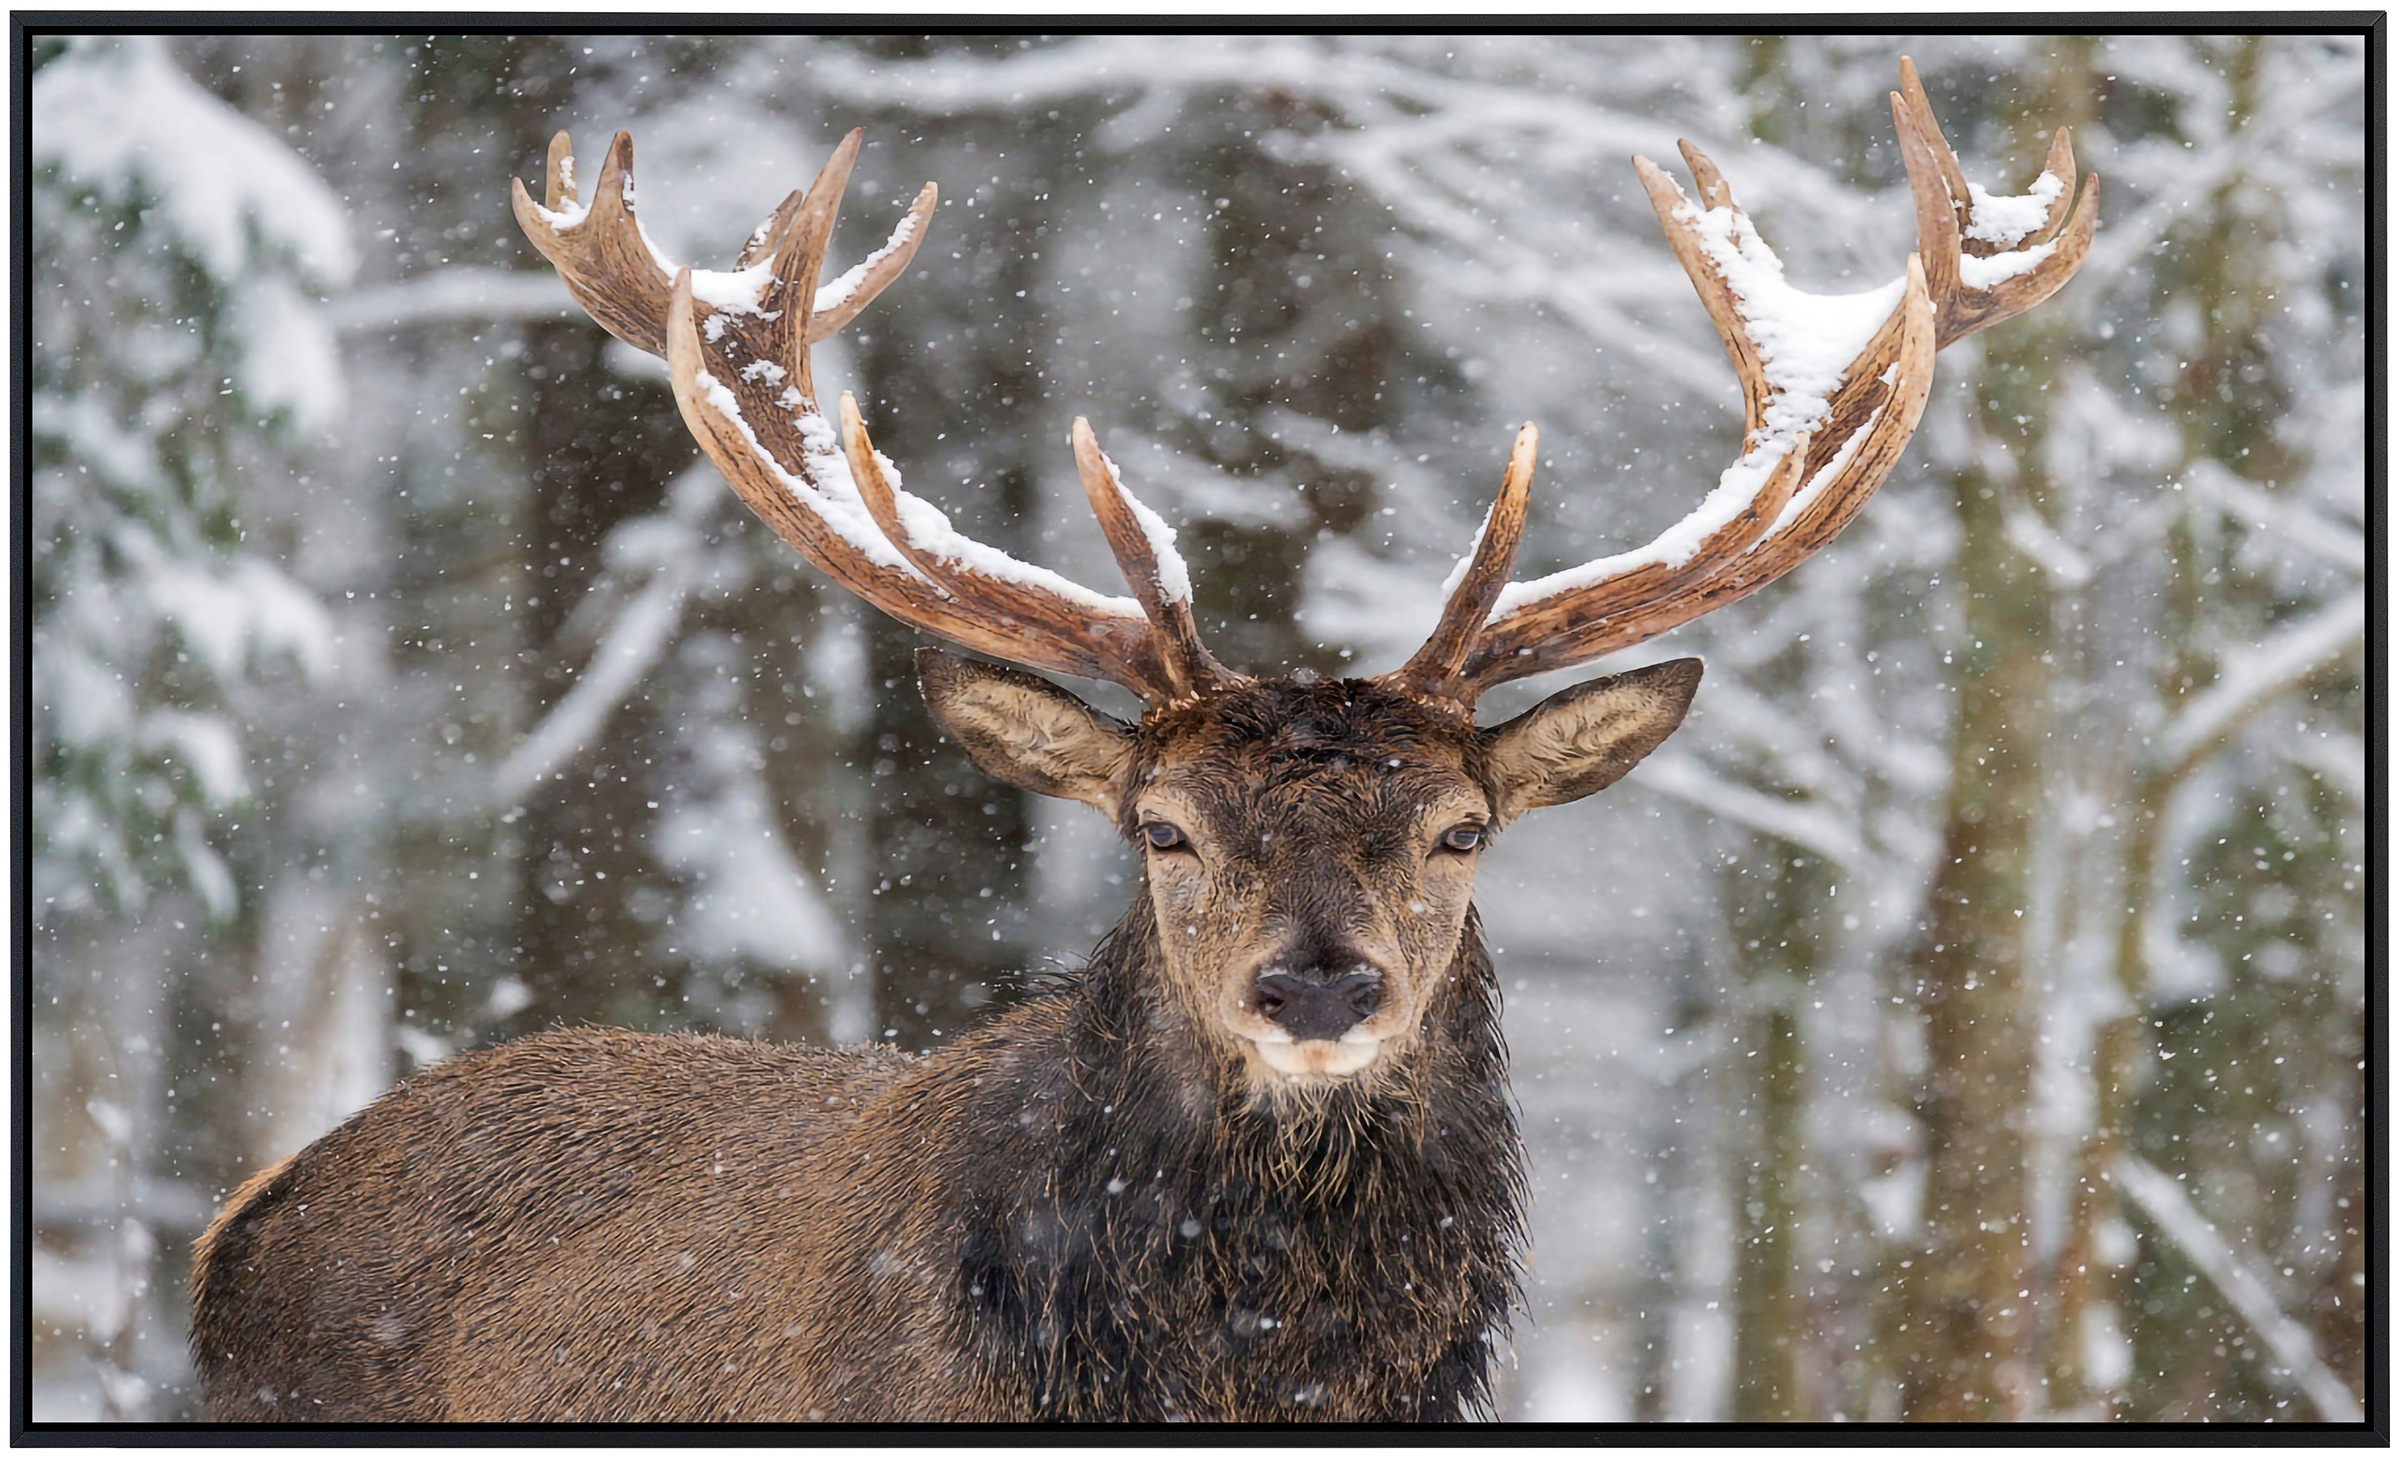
(1163, 836)
(1462, 838)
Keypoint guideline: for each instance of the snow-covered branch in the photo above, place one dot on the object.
(2039, 543)
(2173, 1216)
(2339, 759)
(633, 646)
(2344, 546)
(629, 649)
(1807, 825)
(451, 294)
(2252, 680)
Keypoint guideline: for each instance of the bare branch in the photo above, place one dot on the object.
(2338, 543)
(1798, 822)
(2172, 1215)
(630, 647)
(454, 293)
(2251, 681)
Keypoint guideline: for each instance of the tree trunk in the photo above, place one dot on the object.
(1775, 1362)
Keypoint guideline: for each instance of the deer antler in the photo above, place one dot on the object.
(736, 346)
(1832, 389)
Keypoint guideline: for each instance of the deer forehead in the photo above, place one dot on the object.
(1348, 807)
(1281, 765)
(1286, 726)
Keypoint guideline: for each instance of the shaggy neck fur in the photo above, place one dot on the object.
(1348, 1252)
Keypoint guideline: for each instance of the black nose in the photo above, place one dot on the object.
(1307, 1005)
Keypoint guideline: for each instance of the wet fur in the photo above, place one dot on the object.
(1084, 1209)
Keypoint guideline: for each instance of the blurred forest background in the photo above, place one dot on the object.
(1962, 1018)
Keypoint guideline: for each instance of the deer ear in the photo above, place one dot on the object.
(1026, 731)
(1585, 738)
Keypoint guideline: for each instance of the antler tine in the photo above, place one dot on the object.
(737, 346)
(836, 534)
(990, 586)
(558, 174)
(598, 247)
(1985, 260)
(1692, 251)
(1477, 582)
(1144, 547)
(841, 301)
(800, 258)
(768, 234)
(1631, 597)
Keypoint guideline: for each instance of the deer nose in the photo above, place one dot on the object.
(1312, 1004)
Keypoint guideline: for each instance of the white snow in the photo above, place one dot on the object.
(838, 292)
(509, 996)
(226, 617)
(640, 635)
(1818, 827)
(568, 216)
(1733, 493)
(291, 361)
(2009, 220)
(1174, 578)
(2280, 514)
(569, 212)
(210, 877)
(2246, 1289)
(731, 292)
(458, 292)
(1491, 177)
(83, 702)
(2107, 1352)
(213, 174)
(1984, 273)
(838, 505)
(1735, 490)
(1804, 340)
(1458, 571)
(2059, 560)
(2254, 676)
(928, 528)
(750, 897)
(204, 744)
(738, 292)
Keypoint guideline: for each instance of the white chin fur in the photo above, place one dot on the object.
(1317, 1057)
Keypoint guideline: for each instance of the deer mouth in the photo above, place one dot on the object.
(1310, 1059)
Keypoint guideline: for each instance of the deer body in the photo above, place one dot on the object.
(606, 1226)
(1256, 1161)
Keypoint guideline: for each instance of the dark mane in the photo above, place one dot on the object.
(1264, 1229)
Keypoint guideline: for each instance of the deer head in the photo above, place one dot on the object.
(1310, 847)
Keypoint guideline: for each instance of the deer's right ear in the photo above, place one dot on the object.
(1584, 738)
(1026, 731)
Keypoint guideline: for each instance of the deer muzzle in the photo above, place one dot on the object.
(1319, 1006)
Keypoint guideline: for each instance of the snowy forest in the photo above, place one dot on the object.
(1961, 1018)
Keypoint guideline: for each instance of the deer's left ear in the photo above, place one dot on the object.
(1585, 738)
(1027, 731)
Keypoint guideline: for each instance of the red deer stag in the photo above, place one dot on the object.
(1256, 1160)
